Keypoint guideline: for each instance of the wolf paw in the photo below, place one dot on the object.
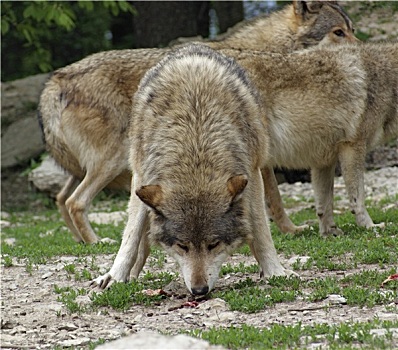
(102, 282)
(291, 273)
(107, 240)
(382, 226)
(284, 272)
(332, 231)
(300, 228)
(291, 228)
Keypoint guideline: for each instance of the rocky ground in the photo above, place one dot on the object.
(31, 316)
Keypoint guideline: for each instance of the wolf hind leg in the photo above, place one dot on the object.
(274, 206)
(322, 182)
(61, 198)
(80, 200)
(261, 244)
(352, 160)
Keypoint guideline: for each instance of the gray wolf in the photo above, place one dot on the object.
(325, 105)
(197, 143)
(319, 106)
(85, 107)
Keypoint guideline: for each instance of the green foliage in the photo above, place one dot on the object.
(249, 296)
(338, 336)
(40, 35)
(41, 237)
(68, 297)
(121, 295)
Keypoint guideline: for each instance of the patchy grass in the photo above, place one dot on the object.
(342, 336)
(352, 266)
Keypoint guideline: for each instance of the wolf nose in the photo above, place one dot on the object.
(200, 290)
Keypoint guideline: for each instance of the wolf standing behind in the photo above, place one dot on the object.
(197, 143)
(326, 105)
(85, 106)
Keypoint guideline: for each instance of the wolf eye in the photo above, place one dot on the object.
(212, 246)
(183, 247)
(339, 32)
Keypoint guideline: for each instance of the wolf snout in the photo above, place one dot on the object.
(200, 290)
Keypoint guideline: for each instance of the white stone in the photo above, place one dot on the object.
(213, 304)
(299, 259)
(48, 177)
(155, 341)
(74, 342)
(336, 299)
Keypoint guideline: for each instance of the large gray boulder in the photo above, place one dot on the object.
(156, 341)
(21, 137)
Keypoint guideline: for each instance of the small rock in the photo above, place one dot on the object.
(68, 327)
(74, 342)
(13, 287)
(8, 241)
(378, 332)
(138, 318)
(336, 299)
(113, 218)
(18, 330)
(223, 316)
(5, 215)
(299, 259)
(46, 275)
(7, 324)
(4, 224)
(213, 304)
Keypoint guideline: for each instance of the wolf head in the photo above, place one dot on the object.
(322, 23)
(200, 230)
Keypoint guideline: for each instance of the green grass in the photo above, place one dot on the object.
(341, 336)
(45, 236)
(357, 246)
(122, 295)
(369, 256)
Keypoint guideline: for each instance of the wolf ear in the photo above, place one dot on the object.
(304, 9)
(151, 195)
(236, 184)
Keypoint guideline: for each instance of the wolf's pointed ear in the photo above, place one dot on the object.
(304, 9)
(236, 184)
(151, 195)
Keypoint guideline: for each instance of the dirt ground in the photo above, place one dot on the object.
(33, 318)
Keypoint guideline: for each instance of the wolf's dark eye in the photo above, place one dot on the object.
(183, 247)
(339, 32)
(212, 246)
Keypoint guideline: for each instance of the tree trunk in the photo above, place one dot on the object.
(159, 22)
(228, 13)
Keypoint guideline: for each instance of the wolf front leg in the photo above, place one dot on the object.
(143, 253)
(127, 255)
(352, 160)
(274, 203)
(322, 183)
(262, 245)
